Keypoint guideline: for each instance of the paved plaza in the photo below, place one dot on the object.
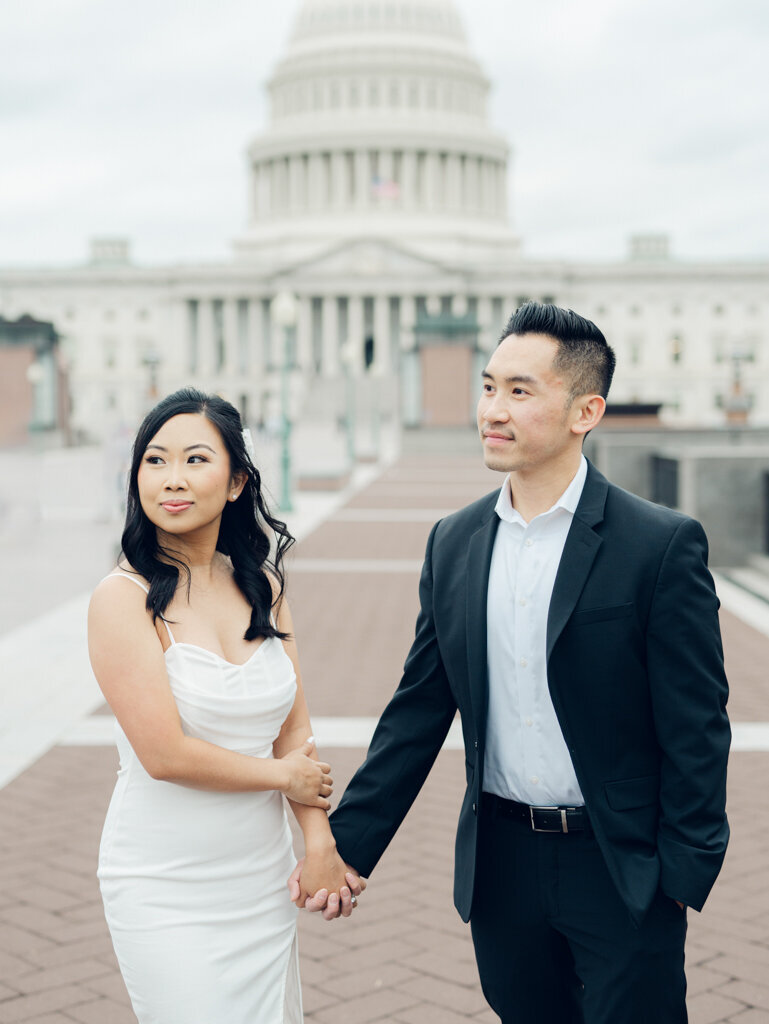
(404, 957)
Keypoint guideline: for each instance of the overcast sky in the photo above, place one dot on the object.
(624, 116)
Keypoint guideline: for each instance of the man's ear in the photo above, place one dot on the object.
(587, 413)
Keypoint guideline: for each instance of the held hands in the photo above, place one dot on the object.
(307, 781)
(323, 882)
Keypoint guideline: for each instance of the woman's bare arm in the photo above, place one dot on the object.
(129, 665)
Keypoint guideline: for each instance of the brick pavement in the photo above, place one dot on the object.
(404, 957)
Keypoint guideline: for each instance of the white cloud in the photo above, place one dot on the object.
(622, 117)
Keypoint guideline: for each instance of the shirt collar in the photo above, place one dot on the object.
(568, 500)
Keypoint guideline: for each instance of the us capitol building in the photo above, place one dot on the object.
(378, 199)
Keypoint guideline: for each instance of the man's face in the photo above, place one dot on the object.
(524, 412)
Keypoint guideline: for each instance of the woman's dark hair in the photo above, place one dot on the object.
(243, 532)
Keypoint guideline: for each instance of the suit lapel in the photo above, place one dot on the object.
(479, 552)
(579, 553)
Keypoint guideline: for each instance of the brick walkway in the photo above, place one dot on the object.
(404, 957)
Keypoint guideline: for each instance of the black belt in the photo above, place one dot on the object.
(540, 819)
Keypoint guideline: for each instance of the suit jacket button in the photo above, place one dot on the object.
(476, 744)
(474, 809)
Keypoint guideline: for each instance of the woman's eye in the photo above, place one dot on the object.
(197, 458)
(153, 460)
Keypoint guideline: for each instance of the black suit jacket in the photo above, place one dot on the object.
(635, 670)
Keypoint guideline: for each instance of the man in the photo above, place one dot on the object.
(575, 628)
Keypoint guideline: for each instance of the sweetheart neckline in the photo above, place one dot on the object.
(219, 657)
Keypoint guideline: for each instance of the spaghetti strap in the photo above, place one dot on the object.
(138, 583)
(127, 576)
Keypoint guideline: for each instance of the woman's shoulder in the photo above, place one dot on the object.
(123, 584)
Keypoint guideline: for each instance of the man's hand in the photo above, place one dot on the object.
(335, 904)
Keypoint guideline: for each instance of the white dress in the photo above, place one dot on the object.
(194, 882)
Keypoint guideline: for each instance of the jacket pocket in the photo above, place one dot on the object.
(615, 611)
(625, 794)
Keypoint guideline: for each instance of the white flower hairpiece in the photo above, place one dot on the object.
(248, 443)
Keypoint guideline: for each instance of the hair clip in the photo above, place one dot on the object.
(248, 443)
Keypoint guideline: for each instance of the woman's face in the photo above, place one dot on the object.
(184, 478)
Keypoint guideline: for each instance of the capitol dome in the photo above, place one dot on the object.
(378, 127)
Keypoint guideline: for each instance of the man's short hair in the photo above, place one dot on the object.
(583, 355)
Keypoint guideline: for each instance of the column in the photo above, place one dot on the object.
(453, 196)
(355, 333)
(330, 329)
(294, 183)
(256, 181)
(265, 199)
(206, 355)
(304, 334)
(409, 179)
(408, 322)
(386, 165)
(256, 360)
(502, 188)
(315, 188)
(362, 180)
(340, 198)
(472, 185)
(382, 355)
(431, 181)
(231, 334)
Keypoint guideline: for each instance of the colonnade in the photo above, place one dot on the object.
(356, 180)
(231, 337)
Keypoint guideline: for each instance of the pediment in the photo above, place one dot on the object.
(374, 258)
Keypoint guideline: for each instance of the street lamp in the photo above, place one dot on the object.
(284, 311)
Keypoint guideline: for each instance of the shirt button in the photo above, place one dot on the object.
(535, 779)
(522, 602)
(523, 663)
(529, 722)
(529, 542)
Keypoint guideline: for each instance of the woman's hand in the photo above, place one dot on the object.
(308, 781)
(324, 874)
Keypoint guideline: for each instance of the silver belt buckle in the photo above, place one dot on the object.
(540, 808)
(562, 811)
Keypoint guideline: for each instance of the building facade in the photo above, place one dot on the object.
(378, 198)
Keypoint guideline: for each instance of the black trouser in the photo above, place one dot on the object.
(555, 943)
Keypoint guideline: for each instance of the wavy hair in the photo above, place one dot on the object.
(246, 525)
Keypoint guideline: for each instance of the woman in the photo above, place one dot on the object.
(191, 641)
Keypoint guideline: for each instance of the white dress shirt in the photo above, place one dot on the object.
(526, 756)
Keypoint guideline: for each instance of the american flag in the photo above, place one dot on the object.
(385, 188)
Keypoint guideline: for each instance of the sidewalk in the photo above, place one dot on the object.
(404, 957)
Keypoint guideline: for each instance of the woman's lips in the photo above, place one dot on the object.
(174, 507)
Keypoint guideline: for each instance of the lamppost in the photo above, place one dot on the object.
(348, 362)
(283, 310)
